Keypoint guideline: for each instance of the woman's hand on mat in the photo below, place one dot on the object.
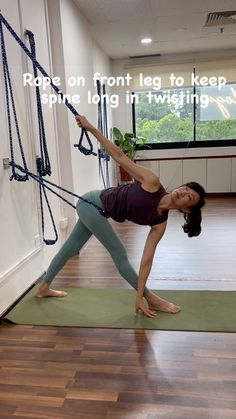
(141, 307)
(82, 122)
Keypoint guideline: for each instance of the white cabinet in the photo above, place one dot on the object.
(195, 170)
(150, 164)
(233, 175)
(171, 173)
(216, 175)
(219, 175)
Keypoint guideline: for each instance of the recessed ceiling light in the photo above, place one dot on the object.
(146, 40)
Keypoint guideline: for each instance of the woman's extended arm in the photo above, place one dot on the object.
(146, 177)
(153, 239)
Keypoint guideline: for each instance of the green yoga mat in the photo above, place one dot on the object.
(114, 308)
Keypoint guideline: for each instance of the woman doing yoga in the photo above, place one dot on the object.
(145, 202)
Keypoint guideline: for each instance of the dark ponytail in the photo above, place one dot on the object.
(193, 219)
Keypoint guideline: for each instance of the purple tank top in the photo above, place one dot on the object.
(131, 202)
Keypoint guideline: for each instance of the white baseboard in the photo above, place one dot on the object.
(19, 278)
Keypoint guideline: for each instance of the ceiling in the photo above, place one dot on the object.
(176, 26)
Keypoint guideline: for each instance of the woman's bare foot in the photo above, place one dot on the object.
(45, 291)
(159, 304)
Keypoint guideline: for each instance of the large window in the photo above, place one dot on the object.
(198, 116)
(217, 121)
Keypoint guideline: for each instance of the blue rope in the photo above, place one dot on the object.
(15, 175)
(105, 132)
(10, 102)
(45, 182)
(100, 127)
(43, 163)
(42, 189)
(82, 149)
(100, 124)
(102, 153)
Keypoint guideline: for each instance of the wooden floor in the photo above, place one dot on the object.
(49, 372)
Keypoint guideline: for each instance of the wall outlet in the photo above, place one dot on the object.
(5, 163)
(63, 223)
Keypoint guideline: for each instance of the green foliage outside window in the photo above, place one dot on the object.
(165, 122)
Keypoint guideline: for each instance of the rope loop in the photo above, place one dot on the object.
(42, 171)
(19, 178)
(82, 149)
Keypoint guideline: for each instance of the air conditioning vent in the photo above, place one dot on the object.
(221, 18)
(144, 56)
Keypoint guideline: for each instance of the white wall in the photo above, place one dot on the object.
(122, 116)
(102, 65)
(23, 258)
(21, 252)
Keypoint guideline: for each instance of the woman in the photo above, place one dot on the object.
(145, 202)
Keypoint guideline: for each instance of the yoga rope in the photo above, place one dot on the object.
(82, 149)
(10, 99)
(43, 163)
(102, 126)
(45, 182)
(105, 132)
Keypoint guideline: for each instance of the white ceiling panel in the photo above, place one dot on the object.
(176, 26)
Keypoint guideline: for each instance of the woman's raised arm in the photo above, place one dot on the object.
(146, 177)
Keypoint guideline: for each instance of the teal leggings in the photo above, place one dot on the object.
(92, 222)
